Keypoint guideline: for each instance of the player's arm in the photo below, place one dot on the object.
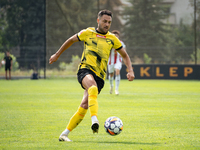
(65, 46)
(130, 75)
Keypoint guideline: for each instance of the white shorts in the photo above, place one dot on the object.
(111, 68)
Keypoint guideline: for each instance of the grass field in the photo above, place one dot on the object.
(157, 114)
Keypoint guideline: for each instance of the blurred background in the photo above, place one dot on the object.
(154, 31)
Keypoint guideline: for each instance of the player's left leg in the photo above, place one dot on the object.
(10, 74)
(6, 74)
(90, 85)
(111, 76)
(117, 81)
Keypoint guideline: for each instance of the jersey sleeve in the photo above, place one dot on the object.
(117, 44)
(124, 46)
(82, 34)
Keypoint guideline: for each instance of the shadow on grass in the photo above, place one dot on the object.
(119, 142)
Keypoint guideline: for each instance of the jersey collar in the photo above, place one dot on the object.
(100, 32)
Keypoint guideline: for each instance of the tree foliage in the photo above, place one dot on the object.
(113, 6)
(197, 19)
(68, 18)
(144, 27)
(25, 29)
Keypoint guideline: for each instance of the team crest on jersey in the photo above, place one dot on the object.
(100, 36)
(108, 41)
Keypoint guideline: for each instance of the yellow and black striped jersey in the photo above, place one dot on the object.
(97, 49)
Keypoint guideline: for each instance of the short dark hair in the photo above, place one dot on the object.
(104, 12)
(116, 32)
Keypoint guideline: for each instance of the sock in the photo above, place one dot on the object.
(76, 118)
(94, 119)
(117, 81)
(111, 80)
(65, 132)
(92, 100)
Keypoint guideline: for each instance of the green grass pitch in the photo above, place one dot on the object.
(157, 114)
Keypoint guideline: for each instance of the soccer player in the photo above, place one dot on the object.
(115, 65)
(8, 65)
(92, 70)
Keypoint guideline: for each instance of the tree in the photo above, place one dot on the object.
(179, 44)
(66, 18)
(197, 23)
(197, 19)
(3, 26)
(113, 6)
(144, 27)
(25, 29)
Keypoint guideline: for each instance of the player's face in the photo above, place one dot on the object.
(7, 53)
(104, 23)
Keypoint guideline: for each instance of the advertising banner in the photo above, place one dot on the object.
(163, 71)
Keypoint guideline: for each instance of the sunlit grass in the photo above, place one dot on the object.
(157, 114)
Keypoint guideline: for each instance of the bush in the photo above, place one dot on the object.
(71, 67)
(198, 56)
(147, 59)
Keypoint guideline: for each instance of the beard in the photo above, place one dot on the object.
(103, 30)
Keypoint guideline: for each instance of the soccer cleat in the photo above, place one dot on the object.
(95, 127)
(116, 92)
(64, 138)
(111, 90)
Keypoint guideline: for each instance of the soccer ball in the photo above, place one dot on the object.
(3, 62)
(113, 126)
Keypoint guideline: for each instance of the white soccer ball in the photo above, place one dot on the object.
(3, 62)
(113, 126)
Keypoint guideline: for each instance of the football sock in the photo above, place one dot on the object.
(94, 119)
(65, 132)
(117, 81)
(76, 118)
(111, 80)
(92, 100)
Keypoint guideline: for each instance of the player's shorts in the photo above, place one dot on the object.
(83, 72)
(111, 68)
(7, 68)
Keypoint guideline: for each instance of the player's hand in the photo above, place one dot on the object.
(130, 76)
(53, 58)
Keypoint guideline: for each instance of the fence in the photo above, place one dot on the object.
(154, 31)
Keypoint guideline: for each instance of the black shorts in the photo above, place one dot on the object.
(83, 72)
(7, 68)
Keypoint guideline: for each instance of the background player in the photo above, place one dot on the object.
(115, 65)
(92, 70)
(8, 64)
